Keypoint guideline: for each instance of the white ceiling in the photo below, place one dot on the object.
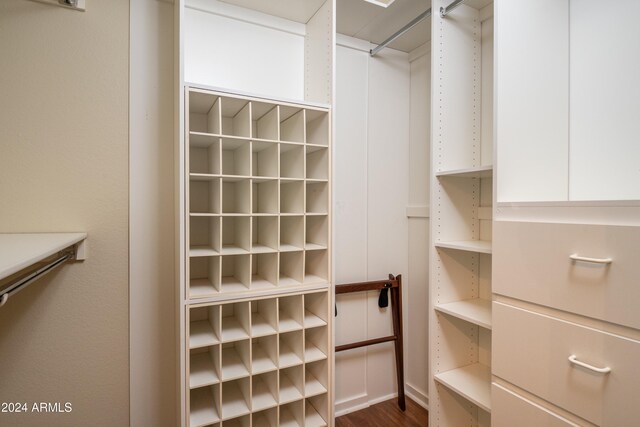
(293, 10)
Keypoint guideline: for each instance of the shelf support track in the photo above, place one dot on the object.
(445, 10)
(394, 286)
(402, 31)
(21, 280)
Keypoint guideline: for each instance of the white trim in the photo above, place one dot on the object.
(417, 396)
(417, 211)
(247, 15)
(353, 43)
(420, 51)
(573, 203)
(359, 402)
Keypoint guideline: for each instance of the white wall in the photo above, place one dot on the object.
(153, 345)
(371, 193)
(64, 167)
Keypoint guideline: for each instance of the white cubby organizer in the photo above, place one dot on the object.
(257, 268)
(461, 219)
(257, 361)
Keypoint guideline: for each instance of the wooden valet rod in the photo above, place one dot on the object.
(393, 286)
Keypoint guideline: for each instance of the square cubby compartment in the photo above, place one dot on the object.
(315, 344)
(244, 421)
(204, 236)
(235, 117)
(204, 155)
(264, 234)
(204, 195)
(316, 411)
(264, 354)
(291, 233)
(235, 322)
(291, 124)
(290, 313)
(267, 418)
(317, 127)
(236, 273)
(291, 197)
(236, 157)
(264, 159)
(236, 398)
(316, 267)
(290, 269)
(317, 198)
(264, 317)
(205, 405)
(317, 232)
(317, 162)
(291, 161)
(316, 311)
(264, 391)
(204, 326)
(204, 112)
(236, 235)
(291, 384)
(316, 378)
(291, 349)
(204, 366)
(292, 414)
(264, 271)
(204, 276)
(265, 196)
(236, 196)
(236, 360)
(264, 121)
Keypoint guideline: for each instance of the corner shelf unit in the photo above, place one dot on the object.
(257, 293)
(461, 224)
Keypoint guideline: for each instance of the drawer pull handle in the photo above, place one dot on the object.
(573, 359)
(577, 257)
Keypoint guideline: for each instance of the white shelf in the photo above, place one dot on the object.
(233, 250)
(479, 246)
(475, 172)
(313, 353)
(260, 326)
(287, 419)
(312, 321)
(288, 357)
(194, 176)
(312, 386)
(199, 288)
(262, 398)
(311, 279)
(288, 391)
(285, 247)
(232, 330)
(259, 283)
(312, 418)
(232, 365)
(257, 248)
(288, 323)
(234, 403)
(314, 247)
(261, 361)
(201, 334)
(476, 311)
(472, 382)
(200, 251)
(202, 372)
(232, 285)
(202, 139)
(20, 251)
(203, 410)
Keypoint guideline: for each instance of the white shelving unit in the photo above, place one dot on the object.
(461, 229)
(250, 357)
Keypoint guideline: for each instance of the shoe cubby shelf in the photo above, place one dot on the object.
(258, 194)
(260, 361)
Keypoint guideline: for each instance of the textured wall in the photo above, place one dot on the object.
(64, 167)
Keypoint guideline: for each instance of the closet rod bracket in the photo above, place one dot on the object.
(444, 11)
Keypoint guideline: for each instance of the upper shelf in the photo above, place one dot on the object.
(475, 172)
(22, 250)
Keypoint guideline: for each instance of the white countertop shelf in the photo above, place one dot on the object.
(22, 250)
(475, 172)
(479, 246)
(476, 311)
(472, 382)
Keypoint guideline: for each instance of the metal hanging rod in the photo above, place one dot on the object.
(24, 281)
(410, 25)
(445, 10)
(79, 5)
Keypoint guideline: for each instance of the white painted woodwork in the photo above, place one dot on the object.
(535, 266)
(544, 346)
(532, 65)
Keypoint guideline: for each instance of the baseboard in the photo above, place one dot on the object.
(417, 396)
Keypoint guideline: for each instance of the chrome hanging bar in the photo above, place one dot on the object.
(79, 5)
(410, 25)
(445, 10)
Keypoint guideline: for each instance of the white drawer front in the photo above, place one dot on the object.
(532, 351)
(532, 263)
(509, 409)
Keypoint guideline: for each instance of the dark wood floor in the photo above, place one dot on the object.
(386, 414)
